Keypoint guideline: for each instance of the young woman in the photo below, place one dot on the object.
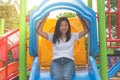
(62, 66)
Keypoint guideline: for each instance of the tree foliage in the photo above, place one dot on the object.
(28, 13)
(66, 14)
(113, 4)
(9, 13)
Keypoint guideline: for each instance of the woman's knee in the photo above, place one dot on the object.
(67, 78)
(57, 77)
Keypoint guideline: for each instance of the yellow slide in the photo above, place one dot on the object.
(45, 47)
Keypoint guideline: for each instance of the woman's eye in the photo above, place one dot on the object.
(66, 25)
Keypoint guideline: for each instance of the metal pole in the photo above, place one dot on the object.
(109, 22)
(102, 40)
(118, 21)
(22, 61)
(2, 27)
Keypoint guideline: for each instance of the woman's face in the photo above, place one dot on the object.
(64, 27)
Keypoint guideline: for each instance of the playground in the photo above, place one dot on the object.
(24, 55)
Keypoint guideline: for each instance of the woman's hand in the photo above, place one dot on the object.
(81, 19)
(42, 21)
(85, 26)
(40, 27)
(46, 16)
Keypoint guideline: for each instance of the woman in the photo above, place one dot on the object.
(62, 66)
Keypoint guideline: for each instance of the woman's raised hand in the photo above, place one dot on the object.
(46, 16)
(40, 27)
(39, 23)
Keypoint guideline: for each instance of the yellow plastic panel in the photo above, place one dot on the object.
(45, 47)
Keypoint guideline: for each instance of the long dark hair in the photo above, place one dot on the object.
(57, 33)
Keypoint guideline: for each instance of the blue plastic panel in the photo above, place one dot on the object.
(75, 5)
(113, 70)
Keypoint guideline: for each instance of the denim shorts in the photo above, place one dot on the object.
(62, 69)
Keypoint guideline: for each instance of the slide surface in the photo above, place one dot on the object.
(91, 73)
(114, 69)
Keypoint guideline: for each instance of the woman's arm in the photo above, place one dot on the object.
(85, 27)
(40, 28)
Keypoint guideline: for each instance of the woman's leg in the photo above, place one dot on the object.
(56, 70)
(69, 70)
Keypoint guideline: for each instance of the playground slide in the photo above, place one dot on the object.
(80, 8)
(75, 5)
(91, 73)
(12, 68)
(10, 39)
(114, 69)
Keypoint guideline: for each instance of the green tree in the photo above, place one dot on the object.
(113, 4)
(66, 14)
(28, 13)
(10, 14)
